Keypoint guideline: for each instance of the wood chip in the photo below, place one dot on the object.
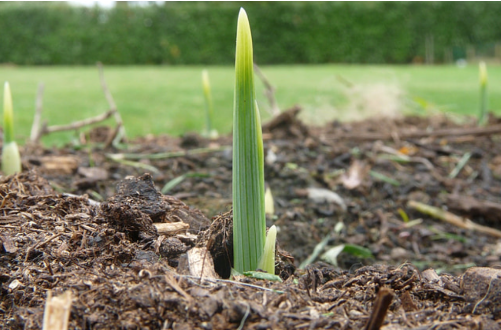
(171, 228)
(200, 263)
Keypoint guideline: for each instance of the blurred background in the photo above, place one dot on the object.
(338, 60)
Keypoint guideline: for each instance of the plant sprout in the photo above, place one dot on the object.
(11, 160)
(249, 221)
(482, 116)
(269, 204)
(209, 109)
(267, 262)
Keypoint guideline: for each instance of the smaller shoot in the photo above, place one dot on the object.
(482, 116)
(11, 159)
(267, 262)
(209, 108)
(269, 203)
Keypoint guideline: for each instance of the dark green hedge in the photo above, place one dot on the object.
(204, 33)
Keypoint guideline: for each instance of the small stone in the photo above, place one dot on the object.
(481, 287)
(399, 253)
(15, 284)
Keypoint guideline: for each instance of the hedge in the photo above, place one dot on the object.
(204, 33)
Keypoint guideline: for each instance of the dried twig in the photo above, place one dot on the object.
(36, 128)
(121, 129)
(269, 91)
(165, 155)
(77, 124)
(453, 219)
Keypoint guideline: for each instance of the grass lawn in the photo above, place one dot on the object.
(162, 99)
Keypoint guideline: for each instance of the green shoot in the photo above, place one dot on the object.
(249, 221)
(482, 116)
(209, 109)
(269, 204)
(11, 159)
(267, 262)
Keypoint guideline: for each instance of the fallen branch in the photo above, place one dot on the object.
(453, 219)
(477, 131)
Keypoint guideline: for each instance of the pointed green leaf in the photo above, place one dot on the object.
(8, 115)
(249, 222)
(11, 159)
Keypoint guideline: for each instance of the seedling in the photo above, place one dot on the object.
(11, 160)
(482, 116)
(269, 204)
(209, 109)
(249, 221)
(267, 262)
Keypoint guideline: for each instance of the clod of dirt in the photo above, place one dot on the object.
(218, 240)
(287, 125)
(193, 140)
(138, 204)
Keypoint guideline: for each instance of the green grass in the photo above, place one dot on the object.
(162, 99)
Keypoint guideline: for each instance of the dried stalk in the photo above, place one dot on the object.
(120, 127)
(269, 91)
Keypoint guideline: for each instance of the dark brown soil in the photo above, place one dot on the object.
(82, 219)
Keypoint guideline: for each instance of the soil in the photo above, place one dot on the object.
(83, 219)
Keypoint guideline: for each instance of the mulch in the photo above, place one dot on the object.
(84, 219)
